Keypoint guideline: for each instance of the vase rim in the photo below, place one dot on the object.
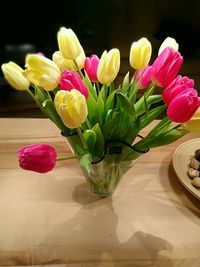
(117, 151)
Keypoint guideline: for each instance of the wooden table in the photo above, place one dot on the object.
(150, 220)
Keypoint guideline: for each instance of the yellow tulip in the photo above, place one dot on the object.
(42, 71)
(14, 75)
(168, 42)
(193, 125)
(63, 63)
(68, 43)
(108, 67)
(72, 107)
(81, 59)
(68, 64)
(140, 54)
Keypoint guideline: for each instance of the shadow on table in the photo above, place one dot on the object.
(91, 233)
(91, 236)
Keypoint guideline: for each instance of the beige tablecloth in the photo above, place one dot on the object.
(150, 220)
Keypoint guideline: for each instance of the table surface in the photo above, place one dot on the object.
(150, 220)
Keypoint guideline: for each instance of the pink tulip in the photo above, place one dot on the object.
(166, 67)
(176, 87)
(144, 77)
(183, 106)
(90, 66)
(70, 80)
(38, 157)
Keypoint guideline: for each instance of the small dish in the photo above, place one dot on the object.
(181, 159)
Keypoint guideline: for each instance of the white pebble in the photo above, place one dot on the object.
(193, 173)
(196, 181)
(194, 163)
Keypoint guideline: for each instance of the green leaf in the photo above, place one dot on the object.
(111, 87)
(132, 132)
(160, 138)
(139, 105)
(85, 162)
(40, 95)
(92, 108)
(125, 84)
(149, 91)
(126, 104)
(100, 109)
(167, 137)
(49, 110)
(103, 91)
(90, 138)
(91, 101)
(151, 115)
(99, 145)
(110, 124)
(90, 87)
(110, 101)
(80, 149)
(145, 107)
(142, 103)
(133, 92)
(132, 80)
(122, 125)
(112, 113)
(162, 126)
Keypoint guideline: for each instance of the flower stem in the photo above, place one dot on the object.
(49, 96)
(78, 69)
(149, 90)
(29, 91)
(33, 96)
(105, 91)
(66, 158)
(81, 137)
(98, 87)
(105, 97)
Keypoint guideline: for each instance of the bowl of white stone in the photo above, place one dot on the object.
(186, 163)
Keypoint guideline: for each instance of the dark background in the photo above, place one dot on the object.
(99, 25)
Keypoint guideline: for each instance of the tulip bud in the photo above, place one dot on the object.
(183, 106)
(42, 72)
(70, 80)
(108, 67)
(168, 42)
(143, 76)
(72, 107)
(62, 63)
(193, 125)
(68, 64)
(81, 59)
(14, 75)
(165, 67)
(39, 158)
(90, 66)
(68, 43)
(177, 86)
(140, 54)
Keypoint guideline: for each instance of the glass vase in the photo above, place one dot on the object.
(103, 175)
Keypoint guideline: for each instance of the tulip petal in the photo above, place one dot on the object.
(37, 157)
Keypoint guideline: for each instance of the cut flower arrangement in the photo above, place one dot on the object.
(101, 121)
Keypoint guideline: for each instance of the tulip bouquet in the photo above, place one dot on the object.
(101, 121)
